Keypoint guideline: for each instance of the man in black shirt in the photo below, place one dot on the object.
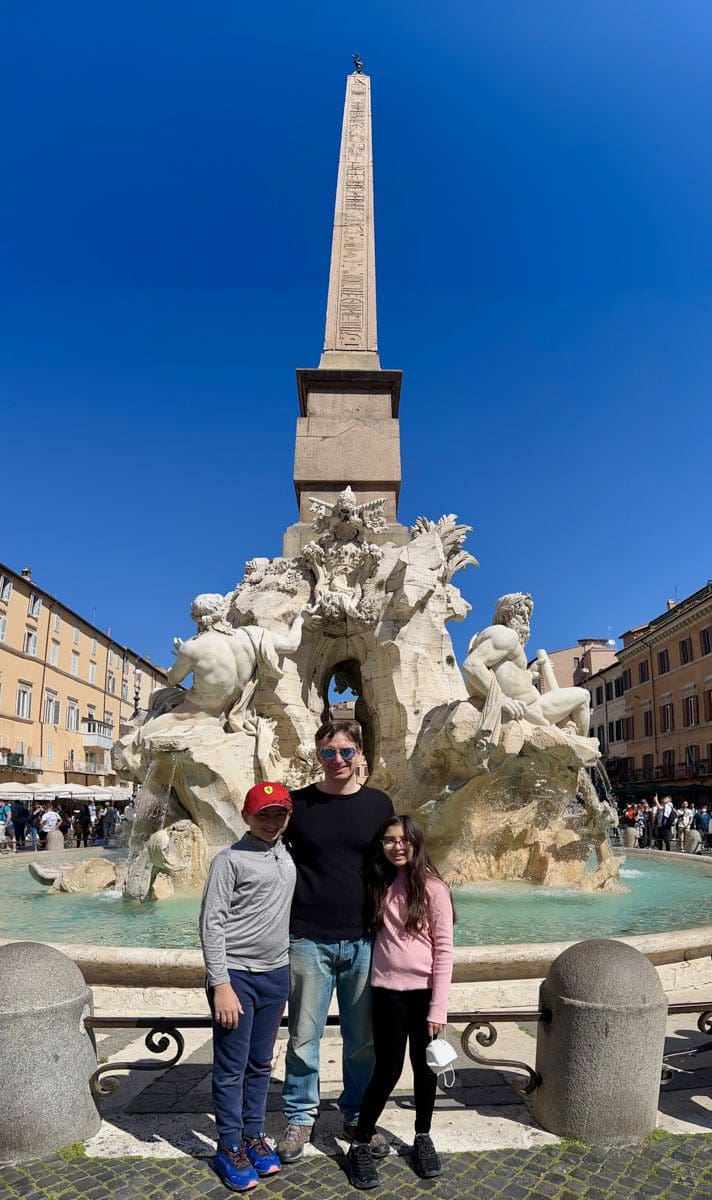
(333, 822)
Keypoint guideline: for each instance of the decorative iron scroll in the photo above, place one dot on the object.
(157, 1041)
(486, 1035)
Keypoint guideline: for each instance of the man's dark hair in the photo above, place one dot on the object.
(350, 729)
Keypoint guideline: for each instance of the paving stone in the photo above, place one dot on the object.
(678, 1169)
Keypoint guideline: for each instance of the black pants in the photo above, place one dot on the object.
(399, 1018)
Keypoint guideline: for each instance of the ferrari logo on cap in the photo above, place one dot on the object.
(269, 789)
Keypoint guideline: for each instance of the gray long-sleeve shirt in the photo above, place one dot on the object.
(244, 917)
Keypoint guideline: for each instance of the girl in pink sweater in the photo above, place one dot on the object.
(410, 911)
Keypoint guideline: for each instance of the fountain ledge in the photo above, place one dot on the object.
(129, 967)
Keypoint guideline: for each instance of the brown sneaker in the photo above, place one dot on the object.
(291, 1146)
(378, 1145)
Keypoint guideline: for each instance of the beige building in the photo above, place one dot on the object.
(661, 693)
(65, 687)
(575, 664)
(609, 720)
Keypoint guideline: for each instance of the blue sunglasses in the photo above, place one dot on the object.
(328, 754)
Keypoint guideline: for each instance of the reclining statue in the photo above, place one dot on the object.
(496, 674)
(226, 664)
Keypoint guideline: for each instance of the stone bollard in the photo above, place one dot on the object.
(55, 840)
(629, 837)
(46, 1055)
(600, 1044)
(691, 841)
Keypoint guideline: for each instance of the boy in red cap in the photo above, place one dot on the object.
(244, 932)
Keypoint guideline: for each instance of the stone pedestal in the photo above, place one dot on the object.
(55, 840)
(600, 1044)
(46, 1055)
(629, 837)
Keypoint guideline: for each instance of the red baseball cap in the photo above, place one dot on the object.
(266, 795)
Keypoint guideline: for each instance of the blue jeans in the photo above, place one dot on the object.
(316, 968)
(242, 1057)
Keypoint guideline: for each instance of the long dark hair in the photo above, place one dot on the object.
(379, 875)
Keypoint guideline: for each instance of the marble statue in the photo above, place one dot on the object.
(94, 875)
(341, 559)
(496, 672)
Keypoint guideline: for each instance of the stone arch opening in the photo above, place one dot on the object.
(346, 675)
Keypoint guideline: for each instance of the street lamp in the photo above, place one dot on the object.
(135, 714)
(137, 691)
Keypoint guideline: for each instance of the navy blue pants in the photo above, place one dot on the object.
(242, 1057)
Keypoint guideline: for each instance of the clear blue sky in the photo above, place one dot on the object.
(543, 207)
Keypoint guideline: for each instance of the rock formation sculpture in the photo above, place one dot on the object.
(494, 758)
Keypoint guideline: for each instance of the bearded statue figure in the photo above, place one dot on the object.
(498, 678)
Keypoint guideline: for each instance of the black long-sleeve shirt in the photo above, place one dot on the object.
(328, 837)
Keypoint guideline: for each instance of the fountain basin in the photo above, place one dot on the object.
(677, 888)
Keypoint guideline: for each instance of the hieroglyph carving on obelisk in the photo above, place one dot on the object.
(351, 307)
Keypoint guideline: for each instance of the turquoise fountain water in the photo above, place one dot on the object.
(662, 895)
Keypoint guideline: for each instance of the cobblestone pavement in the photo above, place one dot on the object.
(673, 1168)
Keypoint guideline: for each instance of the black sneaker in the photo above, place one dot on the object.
(362, 1172)
(425, 1158)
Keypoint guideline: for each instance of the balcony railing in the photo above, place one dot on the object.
(15, 761)
(87, 768)
(701, 770)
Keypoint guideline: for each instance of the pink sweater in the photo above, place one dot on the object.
(406, 961)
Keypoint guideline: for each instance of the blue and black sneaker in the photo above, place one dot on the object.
(263, 1157)
(234, 1168)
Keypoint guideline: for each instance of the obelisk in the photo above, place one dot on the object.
(348, 433)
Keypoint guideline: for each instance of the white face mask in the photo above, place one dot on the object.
(439, 1056)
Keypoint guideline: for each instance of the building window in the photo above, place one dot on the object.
(72, 716)
(648, 764)
(75, 664)
(706, 640)
(599, 696)
(577, 661)
(667, 718)
(690, 711)
(57, 622)
(685, 651)
(54, 654)
(92, 672)
(618, 688)
(34, 607)
(30, 643)
(708, 705)
(108, 719)
(609, 691)
(23, 703)
(93, 644)
(628, 729)
(663, 662)
(3, 628)
(111, 658)
(111, 684)
(126, 664)
(75, 635)
(625, 679)
(601, 735)
(610, 732)
(125, 690)
(49, 753)
(668, 761)
(619, 730)
(52, 709)
(643, 671)
(647, 722)
(693, 755)
(5, 588)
